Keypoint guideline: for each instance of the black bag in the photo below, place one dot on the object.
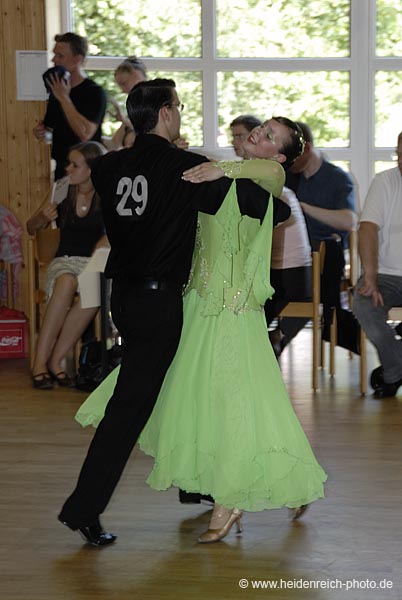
(90, 372)
(348, 331)
(348, 327)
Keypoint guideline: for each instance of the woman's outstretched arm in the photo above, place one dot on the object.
(269, 174)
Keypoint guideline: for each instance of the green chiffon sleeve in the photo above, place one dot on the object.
(268, 174)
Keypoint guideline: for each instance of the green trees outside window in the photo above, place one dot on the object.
(333, 63)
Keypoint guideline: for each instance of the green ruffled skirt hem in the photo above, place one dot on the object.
(223, 424)
(251, 487)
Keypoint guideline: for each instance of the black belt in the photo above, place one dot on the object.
(153, 284)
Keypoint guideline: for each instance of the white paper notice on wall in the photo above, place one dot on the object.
(30, 66)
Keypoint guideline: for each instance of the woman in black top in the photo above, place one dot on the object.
(79, 218)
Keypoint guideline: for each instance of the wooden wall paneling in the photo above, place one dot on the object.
(24, 162)
(38, 173)
(17, 127)
(3, 120)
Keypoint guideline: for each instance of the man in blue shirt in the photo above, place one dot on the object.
(326, 193)
(327, 197)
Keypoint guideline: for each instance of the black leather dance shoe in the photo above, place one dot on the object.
(93, 534)
(193, 498)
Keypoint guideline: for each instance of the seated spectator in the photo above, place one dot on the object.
(325, 192)
(130, 72)
(240, 128)
(291, 273)
(380, 286)
(79, 218)
(327, 197)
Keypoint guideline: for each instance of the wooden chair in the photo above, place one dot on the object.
(311, 310)
(7, 269)
(395, 314)
(41, 250)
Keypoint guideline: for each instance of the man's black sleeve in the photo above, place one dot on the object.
(253, 202)
(207, 197)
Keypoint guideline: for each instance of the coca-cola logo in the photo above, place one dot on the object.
(10, 340)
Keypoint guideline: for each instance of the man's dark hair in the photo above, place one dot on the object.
(145, 101)
(306, 131)
(293, 147)
(77, 43)
(248, 121)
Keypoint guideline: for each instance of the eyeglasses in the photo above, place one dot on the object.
(239, 136)
(179, 105)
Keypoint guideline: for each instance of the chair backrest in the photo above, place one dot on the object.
(306, 309)
(7, 277)
(354, 261)
(395, 313)
(46, 242)
(311, 309)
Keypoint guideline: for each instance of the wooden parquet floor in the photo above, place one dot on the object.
(353, 537)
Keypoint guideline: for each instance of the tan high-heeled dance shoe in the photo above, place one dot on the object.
(215, 535)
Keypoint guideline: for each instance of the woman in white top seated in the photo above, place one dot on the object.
(291, 273)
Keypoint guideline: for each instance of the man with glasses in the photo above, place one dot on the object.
(240, 128)
(326, 193)
(150, 214)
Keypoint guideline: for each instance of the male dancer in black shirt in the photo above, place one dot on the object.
(150, 214)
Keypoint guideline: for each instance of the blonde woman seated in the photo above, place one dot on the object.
(130, 72)
(79, 218)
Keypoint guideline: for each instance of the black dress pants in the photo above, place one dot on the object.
(150, 321)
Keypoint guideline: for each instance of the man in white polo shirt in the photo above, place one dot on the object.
(380, 286)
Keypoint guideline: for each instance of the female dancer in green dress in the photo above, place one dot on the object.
(223, 424)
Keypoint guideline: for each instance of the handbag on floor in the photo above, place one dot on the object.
(91, 372)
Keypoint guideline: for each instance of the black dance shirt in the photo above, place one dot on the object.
(150, 213)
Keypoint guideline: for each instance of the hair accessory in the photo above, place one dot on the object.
(302, 142)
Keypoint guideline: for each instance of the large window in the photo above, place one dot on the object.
(283, 29)
(335, 64)
(265, 93)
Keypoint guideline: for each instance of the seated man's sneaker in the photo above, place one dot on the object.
(387, 390)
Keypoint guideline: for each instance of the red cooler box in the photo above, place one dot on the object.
(13, 333)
